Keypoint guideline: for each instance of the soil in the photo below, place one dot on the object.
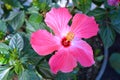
(90, 73)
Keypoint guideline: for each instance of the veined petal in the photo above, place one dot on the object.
(82, 51)
(43, 42)
(84, 26)
(57, 19)
(62, 61)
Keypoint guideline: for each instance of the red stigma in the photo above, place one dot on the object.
(65, 42)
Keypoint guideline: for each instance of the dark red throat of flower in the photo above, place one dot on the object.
(66, 41)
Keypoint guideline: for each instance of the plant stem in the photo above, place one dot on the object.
(104, 64)
(66, 3)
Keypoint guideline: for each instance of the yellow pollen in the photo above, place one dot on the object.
(70, 36)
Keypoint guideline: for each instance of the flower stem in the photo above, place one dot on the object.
(104, 64)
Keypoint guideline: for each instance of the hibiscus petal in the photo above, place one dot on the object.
(82, 51)
(43, 42)
(62, 61)
(84, 26)
(57, 19)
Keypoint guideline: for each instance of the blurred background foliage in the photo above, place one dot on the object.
(19, 18)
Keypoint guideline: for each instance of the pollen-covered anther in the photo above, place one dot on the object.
(70, 36)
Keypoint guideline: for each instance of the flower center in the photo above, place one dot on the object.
(66, 40)
(70, 36)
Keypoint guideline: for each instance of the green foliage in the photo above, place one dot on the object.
(107, 20)
(1, 35)
(107, 35)
(34, 21)
(115, 19)
(67, 76)
(98, 13)
(4, 53)
(42, 4)
(35, 18)
(16, 42)
(29, 75)
(98, 2)
(3, 27)
(83, 5)
(100, 58)
(33, 9)
(31, 27)
(18, 21)
(4, 71)
(44, 70)
(115, 61)
(13, 3)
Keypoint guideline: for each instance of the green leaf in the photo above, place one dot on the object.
(18, 67)
(33, 10)
(61, 76)
(4, 48)
(99, 58)
(98, 13)
(32, 27)
(14, 3)
(11, 16)
(16, 21)
(3, 45)
(29, 27)
(83, 5)
(46, 1)
(42, 4)
(44, 70)
(3, 59)
(3, 26)
(115, 62)
(4, 53)
(67, 76)
(97, 52)
(2, 34)
(35, 18)
(98, 2)
(43, 26)
(31, 57)
(29, 75)
(4, 71)
(115, 19)
(107, 35)
(16, 42)
(33, 23)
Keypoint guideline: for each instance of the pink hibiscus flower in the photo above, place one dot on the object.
(66, 41)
